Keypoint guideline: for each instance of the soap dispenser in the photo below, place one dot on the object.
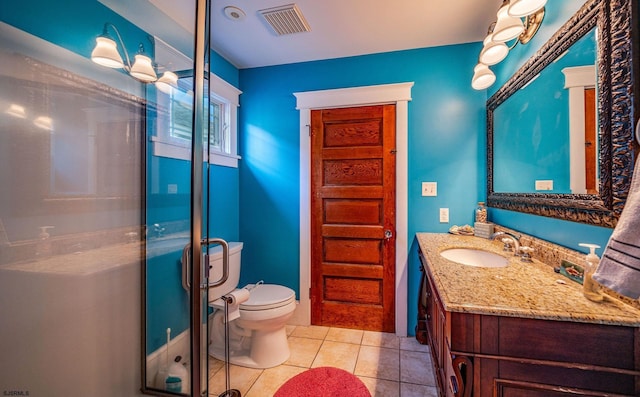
(44, 244)
(589, 287)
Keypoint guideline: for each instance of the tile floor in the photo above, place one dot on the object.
(386, 364)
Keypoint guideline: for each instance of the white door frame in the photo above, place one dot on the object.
(398, 94)
(577, 79)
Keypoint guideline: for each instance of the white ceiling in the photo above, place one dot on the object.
(339, 28)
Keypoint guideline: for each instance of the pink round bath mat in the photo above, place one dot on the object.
(323, 382)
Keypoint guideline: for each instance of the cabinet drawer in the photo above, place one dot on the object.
(566, 342)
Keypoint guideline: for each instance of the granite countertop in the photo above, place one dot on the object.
(529, 290)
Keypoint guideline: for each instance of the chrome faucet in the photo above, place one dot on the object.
(505, 240)
(155, 231)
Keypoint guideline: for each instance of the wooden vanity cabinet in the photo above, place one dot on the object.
(497, 356)
(434, 329)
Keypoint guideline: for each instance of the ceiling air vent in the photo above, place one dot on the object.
(285, 19)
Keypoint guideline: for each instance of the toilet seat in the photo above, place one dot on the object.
(263, 297)
(268, 296)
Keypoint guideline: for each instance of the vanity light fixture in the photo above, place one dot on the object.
(106, 53)
(483, 77)
(507, 27)
(522, 8)
(493, 51)
(510, 25)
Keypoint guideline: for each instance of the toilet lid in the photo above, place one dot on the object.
(268, 296)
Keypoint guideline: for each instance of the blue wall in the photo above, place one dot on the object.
(531, 128)
(446, 145)
(564, 233)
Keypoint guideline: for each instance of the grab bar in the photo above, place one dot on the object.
(186, 264)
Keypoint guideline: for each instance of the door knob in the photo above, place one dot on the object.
(388, 234)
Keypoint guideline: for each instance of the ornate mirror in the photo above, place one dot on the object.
(540, 156)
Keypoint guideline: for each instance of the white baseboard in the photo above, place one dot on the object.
(179, 347)
(301, 316)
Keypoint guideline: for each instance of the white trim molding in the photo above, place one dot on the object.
(398, 94)
(576, 80)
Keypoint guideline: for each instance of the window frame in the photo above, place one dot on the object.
(221, 92)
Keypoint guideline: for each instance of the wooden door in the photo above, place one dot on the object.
(590, 142)
(353, 217)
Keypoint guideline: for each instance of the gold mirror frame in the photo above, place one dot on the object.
(616, 65)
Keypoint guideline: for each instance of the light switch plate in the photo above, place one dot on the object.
(444, 215)
(429, 188)
(544, 185)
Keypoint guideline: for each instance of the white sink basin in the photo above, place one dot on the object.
(474, 257)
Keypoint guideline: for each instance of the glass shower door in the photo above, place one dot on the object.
(175, 299)
(97, 187)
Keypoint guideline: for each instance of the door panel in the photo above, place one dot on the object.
(353, 204)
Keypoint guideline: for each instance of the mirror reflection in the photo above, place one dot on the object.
(545, 137)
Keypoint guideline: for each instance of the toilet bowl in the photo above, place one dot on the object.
(257, 338)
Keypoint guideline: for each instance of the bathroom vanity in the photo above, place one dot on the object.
(520, 330)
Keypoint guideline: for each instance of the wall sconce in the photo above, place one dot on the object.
(106, 53)
(508, 26)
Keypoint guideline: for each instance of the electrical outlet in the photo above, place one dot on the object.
(429, 188)
(444, 215)
(172, 188)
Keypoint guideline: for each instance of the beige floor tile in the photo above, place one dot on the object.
(271, 380)
(241, 378)
(345, 335)
(337, 354)
(410, 343)
(381, 387)
(378, 362)
(415, 367)
(313, 332)
(303, 351)
(411, 390)
(381, 339)
(215, 365)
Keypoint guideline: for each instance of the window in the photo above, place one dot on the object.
(173, 138)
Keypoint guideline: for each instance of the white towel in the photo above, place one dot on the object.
(619, 268)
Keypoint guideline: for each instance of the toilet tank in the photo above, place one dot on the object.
(215, 261)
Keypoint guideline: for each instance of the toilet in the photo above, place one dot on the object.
(257, 339)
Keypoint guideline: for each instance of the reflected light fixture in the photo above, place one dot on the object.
(517, 20)
(167, 82)
(16, 110)
(142, 69)
(44, 122)
(106, 53)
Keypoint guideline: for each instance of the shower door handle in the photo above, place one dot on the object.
(225, 260)
(186, 264)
